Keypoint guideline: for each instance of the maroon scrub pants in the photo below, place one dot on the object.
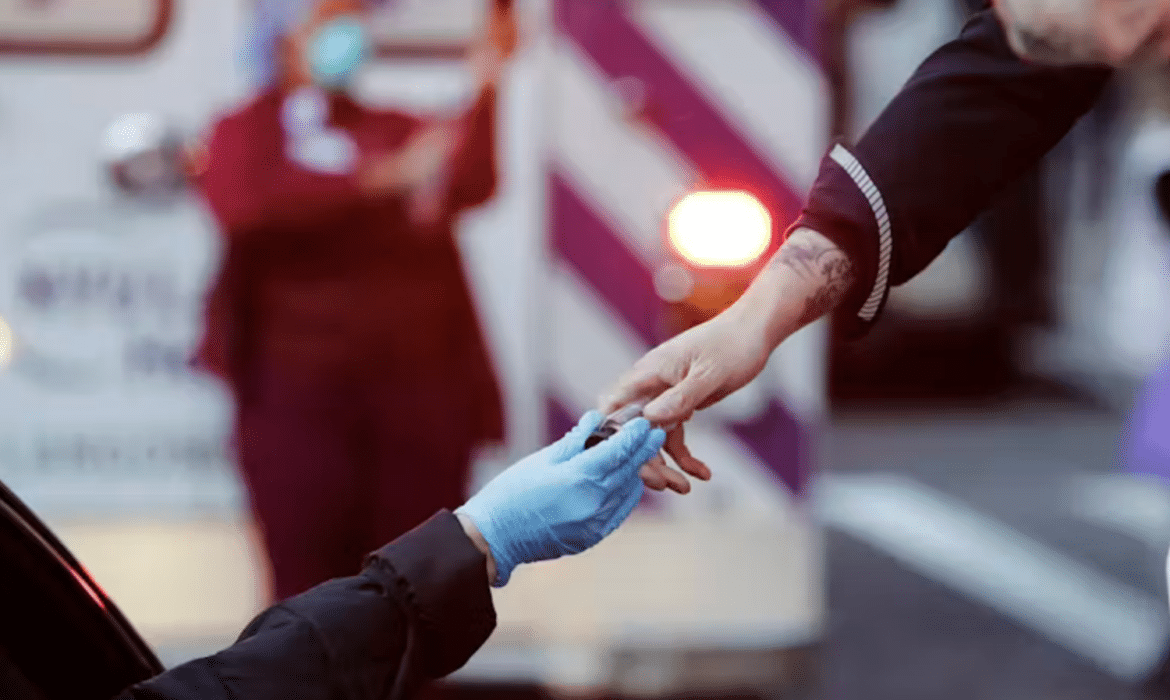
(337, 466)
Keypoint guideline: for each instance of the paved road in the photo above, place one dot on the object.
(1042, 473)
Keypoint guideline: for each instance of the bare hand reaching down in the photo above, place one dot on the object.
(806, 279)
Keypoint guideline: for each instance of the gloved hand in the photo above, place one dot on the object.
(563, 499)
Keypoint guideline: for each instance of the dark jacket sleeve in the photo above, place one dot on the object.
(972, 119)
(417, 611)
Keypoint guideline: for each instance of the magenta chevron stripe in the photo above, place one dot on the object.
(781, 442)
(587, 243)
(558, 419)
(676, 108)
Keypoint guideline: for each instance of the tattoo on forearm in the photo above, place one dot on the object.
(820, 262)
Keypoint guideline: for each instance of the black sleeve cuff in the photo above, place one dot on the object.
(845, 207)
(446, 590)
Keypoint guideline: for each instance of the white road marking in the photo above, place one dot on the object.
(1130, 504)
(1122, 630)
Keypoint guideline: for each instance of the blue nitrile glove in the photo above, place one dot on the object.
(563, 499)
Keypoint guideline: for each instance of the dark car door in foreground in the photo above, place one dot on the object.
(60, 636)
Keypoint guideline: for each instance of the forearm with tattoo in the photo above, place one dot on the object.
(806, 279)
(827, 272)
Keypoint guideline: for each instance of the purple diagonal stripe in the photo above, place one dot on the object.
(603, 260)
(1146, 448)
(780, 441)
(674, 106)
(558, 419)
(800, 20)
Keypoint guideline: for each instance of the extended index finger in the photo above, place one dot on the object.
(636, 384)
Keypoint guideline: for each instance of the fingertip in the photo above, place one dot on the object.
(653, 480)
(696, 468)
(693, 467)
(633, 436)
(661, 411)
(638, 383)
(609, 403)
(590, 421)
(636, 427)
(649, 438)
(651, 477)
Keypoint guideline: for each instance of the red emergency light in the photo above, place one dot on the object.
(728, 229)
(717, 240)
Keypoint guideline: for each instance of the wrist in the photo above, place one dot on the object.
(762, 313)
(477, 539)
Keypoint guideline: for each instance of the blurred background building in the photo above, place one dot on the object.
(939, 509)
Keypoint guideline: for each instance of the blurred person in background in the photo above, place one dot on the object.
(341, 319)
(421, 606)
(977, 114)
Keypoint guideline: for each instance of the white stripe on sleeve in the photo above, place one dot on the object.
(885, 236)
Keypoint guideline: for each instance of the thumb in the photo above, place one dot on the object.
(677, 403)
(637, 384)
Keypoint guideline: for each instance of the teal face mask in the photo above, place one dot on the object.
(338, 50)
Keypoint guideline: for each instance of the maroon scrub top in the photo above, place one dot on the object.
(320, 278)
